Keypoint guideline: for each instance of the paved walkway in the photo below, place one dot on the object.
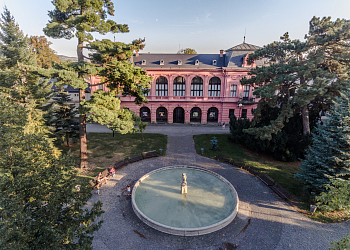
(264, 221)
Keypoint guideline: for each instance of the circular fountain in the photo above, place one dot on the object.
(184, 200)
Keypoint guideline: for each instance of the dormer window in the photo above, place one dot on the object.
(196, 62)
(143, 62)
(179, 62)
(161, 62)
(214, 62)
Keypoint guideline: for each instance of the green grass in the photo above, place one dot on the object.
(105, 150)
(281, 172)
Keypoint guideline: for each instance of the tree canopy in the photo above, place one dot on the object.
(40, 207)
(328, 157)
(81, 19)
(45, 56)
(187, 51)
(301, 75)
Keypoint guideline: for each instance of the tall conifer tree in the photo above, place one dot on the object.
(80, 19)
(328, 158)
(40, 208)
(300, 73)
(15, 52)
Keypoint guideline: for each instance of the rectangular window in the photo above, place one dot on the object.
(162, 89)
(179, 89)
(246, 92)
(196, 89)
(244, 113)
(231, 113)
(214, 89)
(233, 90)
(100, 86)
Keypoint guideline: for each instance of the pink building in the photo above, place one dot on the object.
(199, 88)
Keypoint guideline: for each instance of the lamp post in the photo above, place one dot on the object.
(240, 106)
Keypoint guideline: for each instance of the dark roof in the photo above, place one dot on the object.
(233, 59)
(171, 61)
(244, 46)
(70, 89)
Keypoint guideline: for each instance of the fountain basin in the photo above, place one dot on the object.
(210, 204)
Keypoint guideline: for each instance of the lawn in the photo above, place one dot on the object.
(281, 172)
(104, 150)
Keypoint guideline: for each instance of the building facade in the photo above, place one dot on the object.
(194, 88)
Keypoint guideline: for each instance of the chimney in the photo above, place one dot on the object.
(137, 52)
(221, 53)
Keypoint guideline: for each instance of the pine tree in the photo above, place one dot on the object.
(63, 119)
(328, 158)
(81, 19)
(40, 209)
(300, 73)
(45, 56)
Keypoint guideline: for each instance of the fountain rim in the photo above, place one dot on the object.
(185, 231)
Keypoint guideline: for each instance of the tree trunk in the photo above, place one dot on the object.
(82, 134)
(82, 118)
(306, 120)
(67, 139)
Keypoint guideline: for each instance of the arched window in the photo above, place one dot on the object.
(196, 115)
(161, 86)
(179, 86)
(145, 114)
(213, 115)
(197, 86)
(161, 115)
(214, 86)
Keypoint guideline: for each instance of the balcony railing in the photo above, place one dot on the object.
(248, 100)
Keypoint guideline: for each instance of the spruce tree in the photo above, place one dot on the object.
(300, 73)
(15, 55)
(328, 158)
(40, 208)
(63, 119)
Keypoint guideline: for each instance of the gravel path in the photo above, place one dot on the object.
(264, 221)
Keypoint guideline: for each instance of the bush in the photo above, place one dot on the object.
(287, 145)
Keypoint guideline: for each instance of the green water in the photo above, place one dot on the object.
(209, 200)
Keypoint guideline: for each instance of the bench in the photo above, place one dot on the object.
(120, 164)
(104, 177)
(135, 158)
(267, 180)
(280, 191)
(149, 154)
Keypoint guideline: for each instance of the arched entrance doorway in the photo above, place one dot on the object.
(145, 114)
(196, 115)
(179, 115)
(213, 114)
(162, 115)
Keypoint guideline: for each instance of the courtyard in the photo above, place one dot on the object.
(264, 221)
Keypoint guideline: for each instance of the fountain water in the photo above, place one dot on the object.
(208, 204)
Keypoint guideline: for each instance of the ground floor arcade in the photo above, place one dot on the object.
(185, 112)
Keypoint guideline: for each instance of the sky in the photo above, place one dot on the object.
(204, 25)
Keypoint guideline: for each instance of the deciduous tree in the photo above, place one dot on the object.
(187, 51)
(45, 56)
